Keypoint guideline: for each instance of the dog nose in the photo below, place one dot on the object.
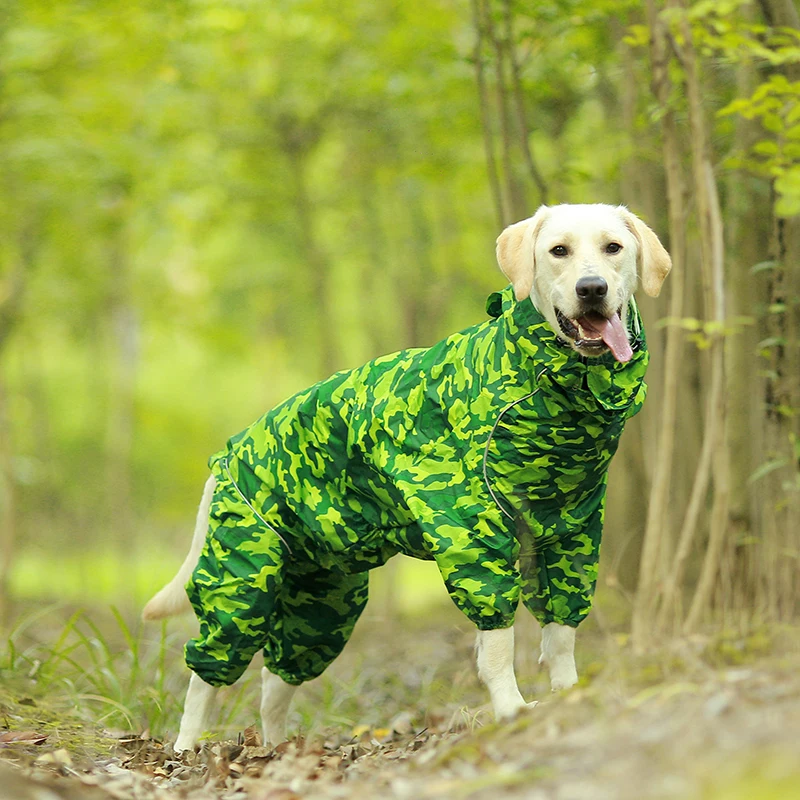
(591, 288)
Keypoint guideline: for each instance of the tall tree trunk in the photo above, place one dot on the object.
(485, 108)
(717, 417)
(298, 140)
(416, 292)
(633, 177)
(780, 514)
(376, 268)
(747, 241)
(713, 270)
(657, 528)
(514, 191)
(519, 103)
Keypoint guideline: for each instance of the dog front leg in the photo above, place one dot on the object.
(558, 654)
(276, 696)
(496, 669)
(196, 711)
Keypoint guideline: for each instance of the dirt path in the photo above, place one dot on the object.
(670, 726)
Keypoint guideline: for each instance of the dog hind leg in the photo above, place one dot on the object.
(196, 711)
(558, 654)
(495, 650)
(276, 696)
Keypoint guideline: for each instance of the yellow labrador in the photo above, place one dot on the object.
(578, 264)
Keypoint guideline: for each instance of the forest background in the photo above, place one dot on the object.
(208, 205)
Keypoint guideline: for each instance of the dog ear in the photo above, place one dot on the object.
(515, 252)
(653, 260)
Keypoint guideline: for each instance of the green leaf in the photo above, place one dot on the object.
(766, 468)
(763, 266)
(772, 341)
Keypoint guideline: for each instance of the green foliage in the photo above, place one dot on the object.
(774, 105)
(215, 203)
(724, 33)
(703, 332)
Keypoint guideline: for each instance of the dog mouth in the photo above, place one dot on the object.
(595, 334)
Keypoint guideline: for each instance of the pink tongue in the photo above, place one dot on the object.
(612, 332)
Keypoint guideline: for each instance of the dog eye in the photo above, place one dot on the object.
(559, 251)
(613, 247)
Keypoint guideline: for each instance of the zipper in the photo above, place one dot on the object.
(489, 442)
(249, 505)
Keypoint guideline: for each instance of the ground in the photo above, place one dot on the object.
(402, 715)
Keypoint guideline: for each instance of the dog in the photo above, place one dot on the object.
(487, 453)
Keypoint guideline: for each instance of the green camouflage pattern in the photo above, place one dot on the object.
(486, 453)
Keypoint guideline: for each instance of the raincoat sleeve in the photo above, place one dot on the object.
(558, 580)
(452, 397)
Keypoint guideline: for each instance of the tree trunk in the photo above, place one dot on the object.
(484, 106)
(519, 103)
(713, 271)
(657, 528)
(780, 489)
(747, 241)
(298, 140)
(514, 192)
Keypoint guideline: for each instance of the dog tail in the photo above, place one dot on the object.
(172, 599)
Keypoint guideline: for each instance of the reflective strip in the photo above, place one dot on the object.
(489, 441)
(249, 505)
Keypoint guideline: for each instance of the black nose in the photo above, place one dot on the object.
(591, 288)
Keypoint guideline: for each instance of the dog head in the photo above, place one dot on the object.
(578, 264)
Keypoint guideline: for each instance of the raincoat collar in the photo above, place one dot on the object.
(613, 384)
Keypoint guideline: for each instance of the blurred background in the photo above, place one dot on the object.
(210, 204)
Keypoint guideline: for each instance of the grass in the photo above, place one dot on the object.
(112, 672)
(123, 674)
(76, 673)
(114, 675)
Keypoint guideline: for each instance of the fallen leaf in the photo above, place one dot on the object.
(285, 747)
(251, 738)
(22, 737)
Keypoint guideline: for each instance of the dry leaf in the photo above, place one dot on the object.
(251, 738)
(22, 737)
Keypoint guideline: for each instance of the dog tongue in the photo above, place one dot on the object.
(612, 332)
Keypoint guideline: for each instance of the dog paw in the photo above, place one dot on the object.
(184, 745)
(563, 681)
(512, 712)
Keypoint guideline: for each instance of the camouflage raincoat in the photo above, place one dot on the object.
(487, 453)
